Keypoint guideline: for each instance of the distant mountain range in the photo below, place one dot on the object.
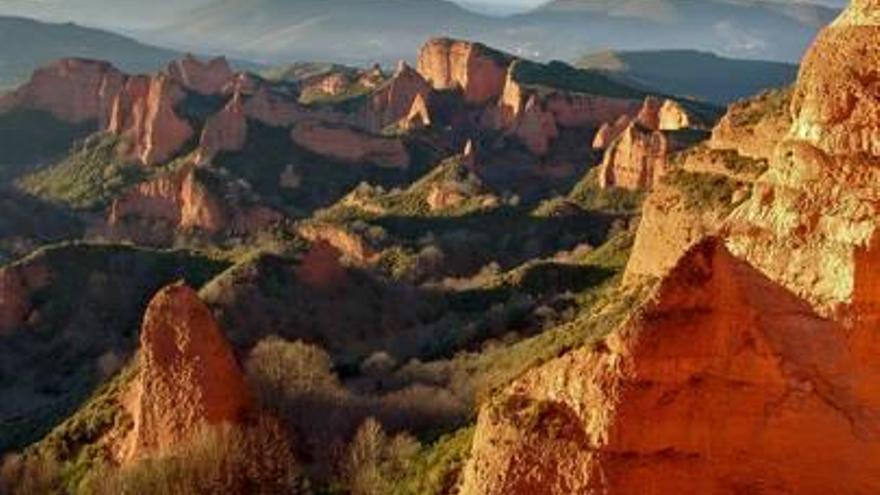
(363, 31)
(692, 73)
(27, 44)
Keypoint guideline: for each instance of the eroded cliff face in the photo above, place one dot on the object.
(144, 117)
(472, 68)
(725, 383)
(72, 90)
(188, 377)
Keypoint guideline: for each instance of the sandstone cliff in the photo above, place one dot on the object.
(73, 90)
(472, 68)
(638, 158)
(395, 101)
(144, 116)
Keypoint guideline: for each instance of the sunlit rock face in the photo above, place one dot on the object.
(188, 377)
(472, 68)
(144, 117)
(815, 208)
(726, 383)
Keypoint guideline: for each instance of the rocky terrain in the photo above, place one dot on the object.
(476, 274)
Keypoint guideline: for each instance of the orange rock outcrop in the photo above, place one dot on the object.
(188, 376)
(394, 102)
(638, 158)
(350, 145)
(472, 68)
(73, 90)
(726, 383)
(144, 117)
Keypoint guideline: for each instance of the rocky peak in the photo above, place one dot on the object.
(207, 78)
(144, 117)
(637, 158)
(472, 68)
(188, 375)
(395, 101)
(73, 90)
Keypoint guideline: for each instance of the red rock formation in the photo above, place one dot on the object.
(350, 146)
(673, 116)
(178, 200)
(649, 114)
(726, 383)
(476, 70)
(206, 78)
(73, 90)
(394, 102)
(144, 116)
(610, 131)
(668, 115)
(637, 159)
(224, 131)
(188, 377)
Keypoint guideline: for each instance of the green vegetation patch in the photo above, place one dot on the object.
(88, 179)
(30, 138)
(559, 75)
(705, 191)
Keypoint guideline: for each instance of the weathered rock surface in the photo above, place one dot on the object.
(207, 78)
(144, 116)
(354, 247)
(476, 70)
(349, 145)
(754, 127)
(726, 383)
(811, 222)
(188, 376)
(73, 90)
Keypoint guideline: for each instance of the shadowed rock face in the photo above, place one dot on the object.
(73, 90)
(188, 375)
(349, 145)
(207, 78)
(712, 389)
